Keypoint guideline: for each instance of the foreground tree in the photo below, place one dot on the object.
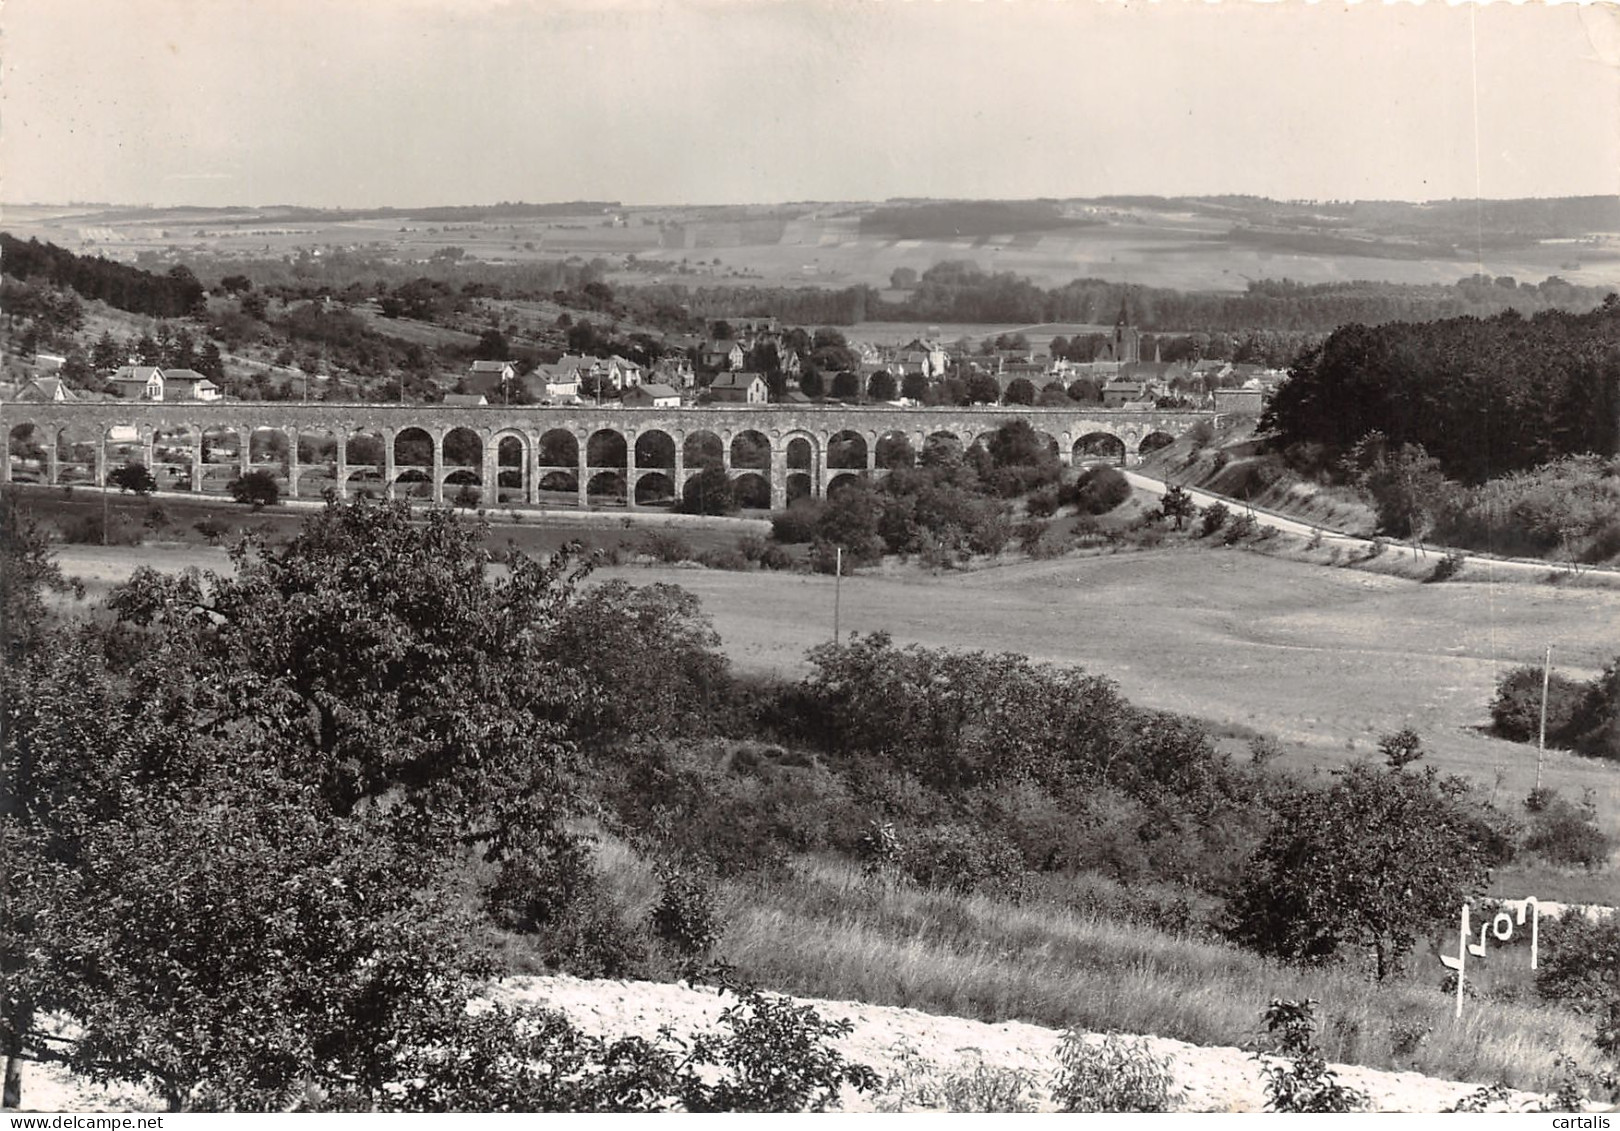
(267, 785)
(1371, 861)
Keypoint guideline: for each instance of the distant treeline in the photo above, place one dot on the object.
(960, 291)
(127, 288)
(1483, 397)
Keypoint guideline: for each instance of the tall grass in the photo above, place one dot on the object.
(824, 930)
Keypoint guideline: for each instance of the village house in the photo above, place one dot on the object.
(675, 370)
(139, 383)
(740, 388)
(927, 357)
(651, 394)
(724, 354)
(188, 385)
(1121, 393)
(623, 373)
(489, 378)
(36, 389)
(556, 381)
(1240, 402)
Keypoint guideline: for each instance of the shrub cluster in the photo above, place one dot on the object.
(1100, 489)
(1584, 717)
(1114, 1074)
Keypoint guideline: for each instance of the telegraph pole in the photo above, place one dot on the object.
(838, 586)
(1541, 742)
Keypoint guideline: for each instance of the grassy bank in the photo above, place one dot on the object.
(824, 930)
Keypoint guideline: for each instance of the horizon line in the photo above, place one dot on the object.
(149, 206)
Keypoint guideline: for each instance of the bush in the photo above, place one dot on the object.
(778, 1057)
(1044, 502)
(92, 530)
(1101, 489)
(1448, 567)
(133, 477)
(1516, 710)
(256, 488)
(1241, 527)
(666, 546)
(1303, 1083)
(797, 524)
(1029, 533)
(775, 557)
(988, 1088)
(710, 491)
(1561, 833)
(1580, 962)
(212, 529)
(724, 559)
(960, 858)
(1215, 516)
(684, 918)
(1116, 1074)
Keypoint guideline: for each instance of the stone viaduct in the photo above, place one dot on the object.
(777, 451)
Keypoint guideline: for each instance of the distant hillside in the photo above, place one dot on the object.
(958, 219)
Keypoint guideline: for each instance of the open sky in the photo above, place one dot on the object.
(414, 102)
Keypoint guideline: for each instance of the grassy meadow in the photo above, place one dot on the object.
(1325, 660)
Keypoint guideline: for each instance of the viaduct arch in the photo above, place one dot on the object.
(351, 447)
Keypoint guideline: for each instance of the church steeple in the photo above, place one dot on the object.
(1127, 342)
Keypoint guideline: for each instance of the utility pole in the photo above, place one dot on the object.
(1541, 742)
(838, 588)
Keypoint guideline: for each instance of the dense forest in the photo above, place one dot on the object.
(1484, 397)
(128, 288)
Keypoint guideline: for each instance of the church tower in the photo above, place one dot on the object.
(1127, 340)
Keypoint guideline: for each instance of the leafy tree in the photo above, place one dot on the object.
(1085, 391)
(1021, 391)
(1371, 861)
(1176, 504)
(28, 570)
(256, 488)
(1406, 485)
(1401, 748)
(850, 518)
(492, 345)
(133, 477)
(710, 491)
(846, 385)
(650, 657)
(881, 386)
(983, 389)
(106, 354)
(811, 382)
(914, 387)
